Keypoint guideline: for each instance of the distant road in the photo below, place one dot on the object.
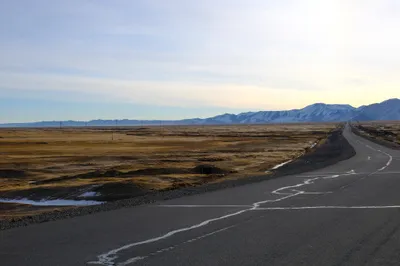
(346, 214)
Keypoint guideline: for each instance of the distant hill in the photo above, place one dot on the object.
(318, 112)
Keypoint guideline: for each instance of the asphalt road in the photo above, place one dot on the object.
(345, 214)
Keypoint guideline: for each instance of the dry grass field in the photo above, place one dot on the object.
(114, 163)
(385, 130)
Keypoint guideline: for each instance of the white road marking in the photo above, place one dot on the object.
(330, 177)
(388, 163)
(369, 158)
(109, 258)
(296, 208)
(361, 173)
(320, 174)
(203, 205)
(325, 174)
(377, 171)
(388, 173)
(385, 153)
(136, 259)
(326, 207)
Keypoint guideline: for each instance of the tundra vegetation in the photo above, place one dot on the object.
(387, 131)
(107, 164)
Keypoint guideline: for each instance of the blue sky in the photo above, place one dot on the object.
(157, 59)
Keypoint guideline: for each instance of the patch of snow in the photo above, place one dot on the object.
(313, 145)
(57, 202)
(89, 194)
(280, 165)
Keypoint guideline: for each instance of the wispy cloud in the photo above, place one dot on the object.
(241, 54)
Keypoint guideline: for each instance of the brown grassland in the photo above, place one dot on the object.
(385, 130)
(124, 162)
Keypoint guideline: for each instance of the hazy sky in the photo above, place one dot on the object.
(86, 59)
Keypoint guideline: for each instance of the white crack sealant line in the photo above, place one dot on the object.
(136, 259)
(366, 173)
(324, 174)
(326, 207)
(313, 193)
(330, 177)
(109, 258)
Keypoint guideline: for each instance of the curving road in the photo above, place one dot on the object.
(345, 214)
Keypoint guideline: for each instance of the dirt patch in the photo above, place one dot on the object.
(116, 191)
(9, 206)
(208, 169)
(100, 173)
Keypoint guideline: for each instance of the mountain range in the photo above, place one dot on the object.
(318, 112)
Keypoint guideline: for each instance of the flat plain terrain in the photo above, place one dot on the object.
(384, 130)
(107, 164)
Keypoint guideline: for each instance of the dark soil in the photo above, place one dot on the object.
(8, 206)
(118, 191)
(207, 169)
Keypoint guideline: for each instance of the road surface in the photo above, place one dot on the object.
(345, 214)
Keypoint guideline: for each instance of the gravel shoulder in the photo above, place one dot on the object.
(336, 148)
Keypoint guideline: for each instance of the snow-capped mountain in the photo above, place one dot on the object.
(387, 110)
(318, 112)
